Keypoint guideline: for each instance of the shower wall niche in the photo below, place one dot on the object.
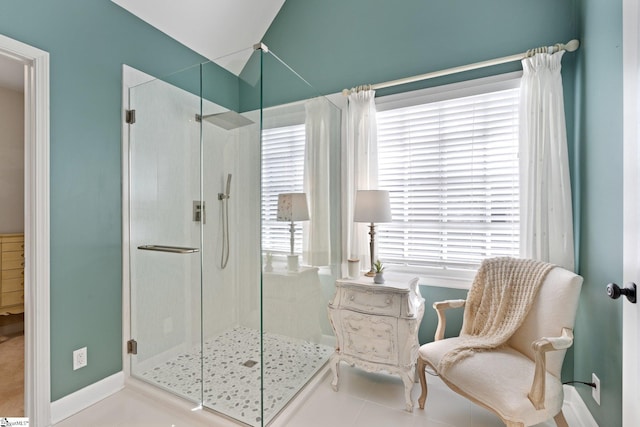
(210, 325)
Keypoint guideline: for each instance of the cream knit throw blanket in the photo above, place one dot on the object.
(497, 304)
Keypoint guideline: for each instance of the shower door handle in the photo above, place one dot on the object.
(172, 249)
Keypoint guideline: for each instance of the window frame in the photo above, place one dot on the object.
(445, 276)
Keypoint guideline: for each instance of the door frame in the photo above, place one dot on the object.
(36, 228)
(631, 209)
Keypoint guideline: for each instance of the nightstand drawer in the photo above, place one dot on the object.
(12, 246)
(371, 338)
(11, 273)
(12, 256)
(370, 301)
(12, 298)
(13, 285)
(15, 273)
(13, 264)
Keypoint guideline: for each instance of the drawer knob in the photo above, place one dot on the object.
(388, 301)
(352, 297)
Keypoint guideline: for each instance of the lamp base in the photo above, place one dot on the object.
(292, 263)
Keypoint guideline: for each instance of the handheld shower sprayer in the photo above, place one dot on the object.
(224, 198)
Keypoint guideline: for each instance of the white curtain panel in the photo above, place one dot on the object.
(317, 175)
(546, 219)
(361, 162)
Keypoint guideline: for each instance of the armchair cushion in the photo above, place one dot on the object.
(499, 379)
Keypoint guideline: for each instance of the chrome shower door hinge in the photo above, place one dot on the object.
(132, 347)
(130, 117)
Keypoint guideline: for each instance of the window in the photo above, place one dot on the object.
(450, 162)
(282, 172)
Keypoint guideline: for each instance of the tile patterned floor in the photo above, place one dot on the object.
(364, 400)
(231, 373)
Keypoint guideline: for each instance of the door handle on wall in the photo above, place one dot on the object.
(629, 291)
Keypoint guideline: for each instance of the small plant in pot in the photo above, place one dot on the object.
(379, 269)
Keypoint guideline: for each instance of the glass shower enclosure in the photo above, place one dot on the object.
(217, 317)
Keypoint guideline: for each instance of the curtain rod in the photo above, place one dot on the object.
(569, 47)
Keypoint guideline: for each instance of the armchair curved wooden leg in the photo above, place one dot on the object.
(423, 382)
(560, 420)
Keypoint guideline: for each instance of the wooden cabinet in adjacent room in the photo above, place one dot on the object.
(11, 273)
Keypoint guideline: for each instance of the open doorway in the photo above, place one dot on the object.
(12, 144)
(37, 379)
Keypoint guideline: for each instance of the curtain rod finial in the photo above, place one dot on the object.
(572, 45)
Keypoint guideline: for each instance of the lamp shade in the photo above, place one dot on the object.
(292, 207)
(372, 206)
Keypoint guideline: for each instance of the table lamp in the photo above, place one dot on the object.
(292, 207)
(372, 206)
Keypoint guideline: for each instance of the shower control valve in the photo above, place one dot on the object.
(199, 211)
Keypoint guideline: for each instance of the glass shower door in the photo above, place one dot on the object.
(211, 323)
(165, 235)
(232, 372)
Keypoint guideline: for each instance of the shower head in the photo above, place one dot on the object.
(228, 120)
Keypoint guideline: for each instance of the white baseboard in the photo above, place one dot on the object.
(575, 410)
(85, 397)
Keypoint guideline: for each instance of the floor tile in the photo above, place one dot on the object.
(363, 400)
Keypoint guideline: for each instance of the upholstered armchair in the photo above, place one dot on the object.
(520, 379)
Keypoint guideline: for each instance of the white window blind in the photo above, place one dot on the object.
(282, 172)
(451, 167)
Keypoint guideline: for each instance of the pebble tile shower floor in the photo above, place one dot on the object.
(231, 372)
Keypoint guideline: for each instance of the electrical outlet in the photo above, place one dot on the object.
(595, 392)
(80, 358)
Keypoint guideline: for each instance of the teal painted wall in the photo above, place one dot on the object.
(336, 44)
(88, 42)
(340, 44)
(599, 136)
(333, 44)
(429, 324)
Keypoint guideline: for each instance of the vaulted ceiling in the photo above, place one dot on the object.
(212, 28)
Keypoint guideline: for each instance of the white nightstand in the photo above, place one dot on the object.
(376, 328)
